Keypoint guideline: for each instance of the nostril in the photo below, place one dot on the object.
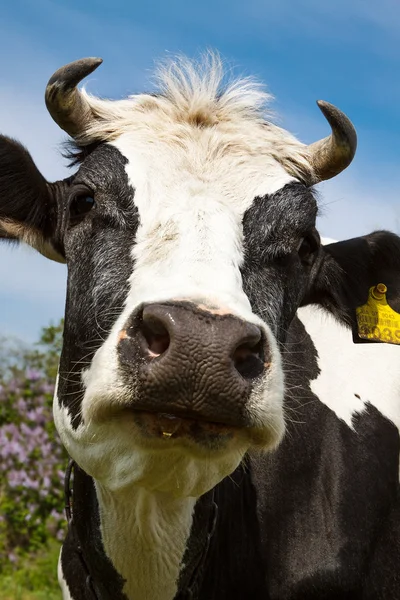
(155, 334)
(248, 359)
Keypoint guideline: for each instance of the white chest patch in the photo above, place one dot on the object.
(352, 375)
(145, 536)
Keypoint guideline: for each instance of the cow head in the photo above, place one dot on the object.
(189, 234)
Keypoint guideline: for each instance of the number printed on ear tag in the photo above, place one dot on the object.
(376, 320)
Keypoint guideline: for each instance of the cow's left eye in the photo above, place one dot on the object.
(81, 204)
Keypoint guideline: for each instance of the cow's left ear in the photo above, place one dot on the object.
(28, 203)
(347, 270)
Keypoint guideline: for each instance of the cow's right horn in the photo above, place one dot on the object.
(334, 153)
(68, 107)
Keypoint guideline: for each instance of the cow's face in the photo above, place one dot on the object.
(190, 244)
(185, 279)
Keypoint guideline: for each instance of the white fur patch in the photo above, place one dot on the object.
(326, 240)
(145, 536)
(352, 374)
(191, 205)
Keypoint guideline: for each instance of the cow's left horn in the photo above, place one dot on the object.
(334, 153)
(64, 101)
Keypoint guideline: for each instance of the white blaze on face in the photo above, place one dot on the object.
(189, 241)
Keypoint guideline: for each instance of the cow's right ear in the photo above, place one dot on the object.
(28, 203)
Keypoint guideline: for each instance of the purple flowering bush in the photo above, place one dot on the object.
(32, 463)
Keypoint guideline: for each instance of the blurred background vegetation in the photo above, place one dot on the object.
(32, 465)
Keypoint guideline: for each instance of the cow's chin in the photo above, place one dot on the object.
(177, 472)
(118, 454)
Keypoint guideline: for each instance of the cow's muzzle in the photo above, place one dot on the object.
(193, 364)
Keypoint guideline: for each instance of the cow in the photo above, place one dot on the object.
(233, 435)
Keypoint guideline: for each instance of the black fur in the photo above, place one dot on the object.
(347, 270)
(274, 277)
(99, 265)
(85, 533)
(25, 194)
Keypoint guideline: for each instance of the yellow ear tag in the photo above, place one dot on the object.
(376, 320)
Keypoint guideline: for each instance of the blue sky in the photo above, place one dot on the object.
(346, 52)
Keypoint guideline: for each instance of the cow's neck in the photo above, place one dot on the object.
(121, 529)
(145, 535)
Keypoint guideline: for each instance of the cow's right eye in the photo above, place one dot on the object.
(81, 204)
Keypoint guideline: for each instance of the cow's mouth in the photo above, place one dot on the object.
(170, 426)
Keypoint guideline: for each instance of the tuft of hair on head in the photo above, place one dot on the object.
(198, 92)
(202, 94)
(202, 91)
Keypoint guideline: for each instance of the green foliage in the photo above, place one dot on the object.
(50, 344)
(32, 459)
(16, 356)
(12, 356)
(35, 578)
